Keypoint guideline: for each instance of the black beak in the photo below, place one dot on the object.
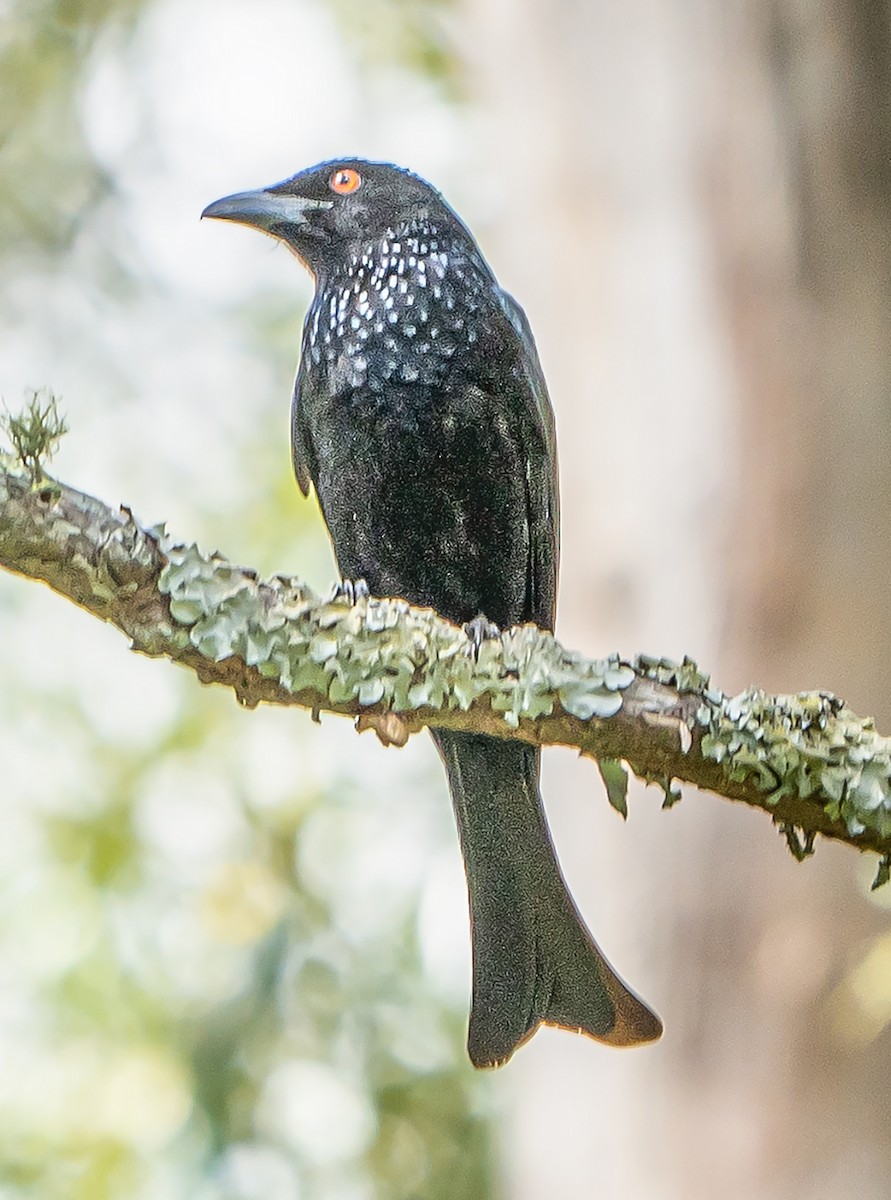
(263, 210)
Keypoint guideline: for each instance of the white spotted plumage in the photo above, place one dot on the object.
(390, 290)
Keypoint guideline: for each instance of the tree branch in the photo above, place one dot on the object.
(807, 760)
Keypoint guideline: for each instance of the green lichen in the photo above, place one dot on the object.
(883, 874)
(378, 653)
(685, 676)
(541, 674)
(383, 654)
(799, 841)
(303, 643)
(35, 432)
(671, 793)
(806, 746)
(615, 780)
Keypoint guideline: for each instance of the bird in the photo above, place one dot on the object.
(421, 417)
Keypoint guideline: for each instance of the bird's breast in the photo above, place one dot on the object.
(406, 310)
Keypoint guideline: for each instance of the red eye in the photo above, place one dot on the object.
(344, 181)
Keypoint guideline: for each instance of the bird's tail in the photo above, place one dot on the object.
(534, 961)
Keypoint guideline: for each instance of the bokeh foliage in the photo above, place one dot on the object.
(49, 177)
(212, 982)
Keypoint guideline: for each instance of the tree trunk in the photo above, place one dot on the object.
(693, 207)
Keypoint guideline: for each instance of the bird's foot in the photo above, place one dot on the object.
(351, 590)
(480, 630)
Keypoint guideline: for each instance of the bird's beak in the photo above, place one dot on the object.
(264, 210)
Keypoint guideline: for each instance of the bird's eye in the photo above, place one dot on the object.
(344, 181)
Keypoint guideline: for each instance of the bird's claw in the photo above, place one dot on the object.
(351, 590)
(480, 630)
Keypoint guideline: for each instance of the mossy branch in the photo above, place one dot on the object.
(807, 760)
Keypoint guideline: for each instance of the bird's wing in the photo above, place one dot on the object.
(542, 486)
(301, 454)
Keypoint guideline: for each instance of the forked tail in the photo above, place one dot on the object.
(534, 961)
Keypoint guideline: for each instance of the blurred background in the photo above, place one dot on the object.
(233, 947)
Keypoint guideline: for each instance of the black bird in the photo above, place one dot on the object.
(421, 417)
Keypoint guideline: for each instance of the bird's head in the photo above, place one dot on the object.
(331, 211)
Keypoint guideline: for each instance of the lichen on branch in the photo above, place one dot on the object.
(807, 760)
(35, 431)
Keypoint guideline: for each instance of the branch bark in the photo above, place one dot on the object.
(807, 760)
